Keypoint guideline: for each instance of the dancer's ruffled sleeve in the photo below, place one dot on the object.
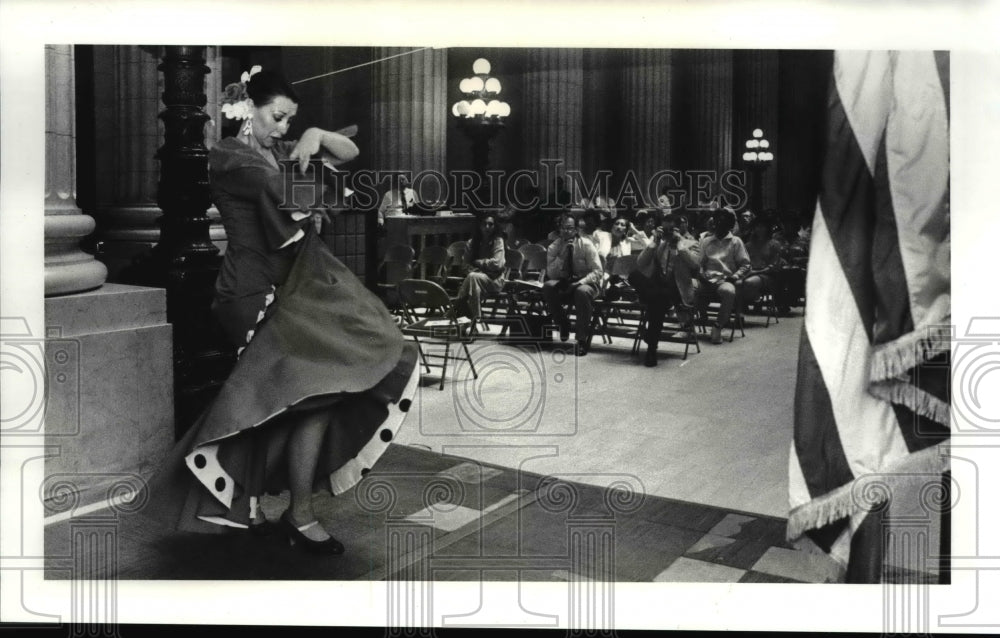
(242, 174)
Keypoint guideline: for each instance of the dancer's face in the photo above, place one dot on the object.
(271, 121)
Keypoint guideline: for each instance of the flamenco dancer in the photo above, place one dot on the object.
(323, 377)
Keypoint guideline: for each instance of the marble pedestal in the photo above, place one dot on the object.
(109, 414)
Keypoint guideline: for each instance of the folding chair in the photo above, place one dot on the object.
(526, 289)
(435, 324)
(401, 256)
(707, 308)
(431, 263)
(455, 263)
(534, 261)
(766, 302)
(513, 261)
(678, 333)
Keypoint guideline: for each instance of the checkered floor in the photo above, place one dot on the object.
(434, 517)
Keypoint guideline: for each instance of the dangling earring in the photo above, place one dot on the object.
(247, 129)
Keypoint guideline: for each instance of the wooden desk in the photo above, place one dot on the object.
(419, 232)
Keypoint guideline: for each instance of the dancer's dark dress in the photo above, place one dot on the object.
(311, 337)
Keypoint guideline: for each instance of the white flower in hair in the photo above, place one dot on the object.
(237, 111)
(235, 102)
(254, 70)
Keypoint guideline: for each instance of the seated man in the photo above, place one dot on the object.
(663, 279)
(397, 202)
(573, 273)
(724, 262)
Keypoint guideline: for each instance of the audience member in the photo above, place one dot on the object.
(742, 229)
(573, 275)
(709, 227)
(681, 221)
(485, 256)
(724, 262)
(765, 264)
(397, 201)
(647, 219)
(663, 280)
(618, 239)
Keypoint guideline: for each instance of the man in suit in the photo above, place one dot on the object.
(573, 275)
(397, 202)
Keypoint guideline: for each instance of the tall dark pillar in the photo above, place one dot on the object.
(553, 104)
(703, 122)
(185, 261)
(409, 112)
(646, 115)
(804, 79)
(599, 146)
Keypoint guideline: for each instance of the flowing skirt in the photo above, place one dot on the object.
(319, 343)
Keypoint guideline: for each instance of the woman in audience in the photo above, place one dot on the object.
(683, 228)
(765, 263)
(619, 243)
(485, 256)
(724, 262)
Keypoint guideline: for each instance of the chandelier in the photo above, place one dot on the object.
(757, 150)
(480, 104)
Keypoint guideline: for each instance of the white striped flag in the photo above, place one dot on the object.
(872, 395)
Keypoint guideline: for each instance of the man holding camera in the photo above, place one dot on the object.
(664, 278)
(573, 274)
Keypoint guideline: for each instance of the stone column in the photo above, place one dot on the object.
(598, 148)
(553, 110)
(128, 102)
(646, 116)
(67, 268)
(409, 113)
(703, 125)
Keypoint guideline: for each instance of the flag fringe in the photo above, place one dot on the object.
(920, 402)
(895, 359)
(866, 492)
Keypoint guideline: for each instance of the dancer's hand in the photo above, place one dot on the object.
(307, 146)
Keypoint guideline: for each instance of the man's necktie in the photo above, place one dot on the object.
(569, 261)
